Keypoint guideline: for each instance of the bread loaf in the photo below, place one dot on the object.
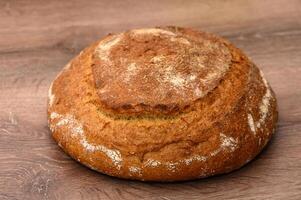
(162, 104)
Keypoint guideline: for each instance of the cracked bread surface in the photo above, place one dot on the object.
(162, 104)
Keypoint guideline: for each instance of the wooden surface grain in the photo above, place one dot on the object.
(37, 38)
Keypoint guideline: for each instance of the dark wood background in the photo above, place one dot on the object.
(37, 38)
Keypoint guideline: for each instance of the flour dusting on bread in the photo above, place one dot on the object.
(114, 155)
(180, 40)
(198, 158)
(251, 123)
(76, 129)
(153, 31)
(152, 163)
(131, 71)
(228, 142)
(54, 115)
(104, 47)
(176, 80)
(264, 106)
(134, 170)
(72, 124)
(157, 31)
(51, 96)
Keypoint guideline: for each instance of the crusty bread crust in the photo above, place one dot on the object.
(188, 136)
(153, 72)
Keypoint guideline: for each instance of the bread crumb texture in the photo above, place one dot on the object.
(162, 104)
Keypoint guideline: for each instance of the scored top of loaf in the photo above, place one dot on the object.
(158, 70)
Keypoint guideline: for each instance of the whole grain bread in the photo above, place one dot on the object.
(162, 104)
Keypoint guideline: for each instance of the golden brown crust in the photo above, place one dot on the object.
(200, 137)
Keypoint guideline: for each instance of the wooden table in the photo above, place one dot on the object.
(38, 37)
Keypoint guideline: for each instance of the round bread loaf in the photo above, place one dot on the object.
(162, 104)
